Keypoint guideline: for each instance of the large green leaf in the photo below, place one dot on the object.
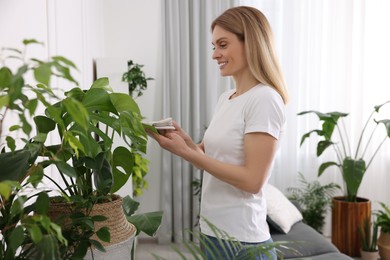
(129, 205)
(66, 169)
(43, 73)
(14, 165)
(44, 124)
(122, 159)
(16, 238)
(42, 203)
(353, 172)
(102, 83)
(322, 146)
(324, 166)
(147, 223)
(123, 102)
(386, 123)
(98, 99)
(77, 111)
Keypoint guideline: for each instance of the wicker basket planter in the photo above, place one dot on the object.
(122, 232)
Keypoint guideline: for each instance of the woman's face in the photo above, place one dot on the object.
(229, 52)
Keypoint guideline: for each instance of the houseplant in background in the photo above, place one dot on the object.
(314, 199)
(137, 83)
(383, 222)
(135, 78)
(348, 210)
(368, 235)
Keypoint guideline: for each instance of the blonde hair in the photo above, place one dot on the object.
(252, 27)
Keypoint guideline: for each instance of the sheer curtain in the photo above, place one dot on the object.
(191, 86)
(335, 56)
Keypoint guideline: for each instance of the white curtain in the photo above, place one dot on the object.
(335, 55)
(191, 87)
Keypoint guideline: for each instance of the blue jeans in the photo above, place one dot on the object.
(226, 250)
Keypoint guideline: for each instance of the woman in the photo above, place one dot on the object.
(238, 148)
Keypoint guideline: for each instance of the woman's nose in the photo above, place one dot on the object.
(216, 54)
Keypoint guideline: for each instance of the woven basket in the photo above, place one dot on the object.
(120, 229)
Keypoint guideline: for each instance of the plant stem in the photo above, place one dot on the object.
(384, 140)
(67, 184)
(346, 137)
(369, 141)
(361, 136)
(342, 140)
(55, 183)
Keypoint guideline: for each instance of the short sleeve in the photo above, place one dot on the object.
(265, 112)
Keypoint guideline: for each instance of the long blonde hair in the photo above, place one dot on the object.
(252, 27)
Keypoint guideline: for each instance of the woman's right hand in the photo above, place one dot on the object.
(190, 143)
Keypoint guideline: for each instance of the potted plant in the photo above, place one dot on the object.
(348, 210)
(89, 167)
(383, 222)
(136, 79)
(24, 234)
(368, 236)
(137, 83)
(314, 199)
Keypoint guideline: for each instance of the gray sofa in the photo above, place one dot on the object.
(307, 243)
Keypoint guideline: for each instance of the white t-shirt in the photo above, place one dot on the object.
(241, 214)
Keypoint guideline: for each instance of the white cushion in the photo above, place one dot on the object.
(281, 213)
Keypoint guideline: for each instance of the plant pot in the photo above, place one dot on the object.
(366, 255)
(122, 232)
(347, 217)
(384, 246)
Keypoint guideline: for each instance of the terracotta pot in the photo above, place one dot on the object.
(347, 217)
(384, 246)
(365, 255)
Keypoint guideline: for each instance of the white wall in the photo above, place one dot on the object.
(133, 31)
(84, 30)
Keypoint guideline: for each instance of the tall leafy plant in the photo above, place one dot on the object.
(23, 234)
(84, 122)
(352, 165)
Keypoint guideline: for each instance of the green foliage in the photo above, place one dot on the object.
(136, 79)
(353, 166)
(383, 218)
(368, 236)
(147, 222)
(85, 123)
(314, 199)
(137, 82)
(229, 245)
(25, 235)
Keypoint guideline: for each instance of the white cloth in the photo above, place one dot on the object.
(241, 214)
